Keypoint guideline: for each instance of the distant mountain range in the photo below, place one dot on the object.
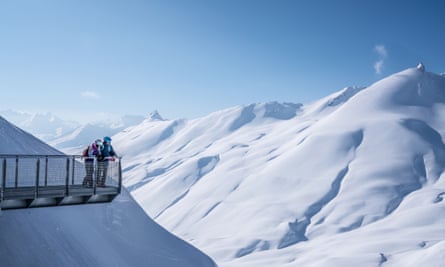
(69, 136)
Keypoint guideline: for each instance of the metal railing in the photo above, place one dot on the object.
(31, 177)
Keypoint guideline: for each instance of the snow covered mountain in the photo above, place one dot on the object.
(113, 234)
(354, 179)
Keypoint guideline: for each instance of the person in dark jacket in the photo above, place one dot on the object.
(106, 154)
(89, 154)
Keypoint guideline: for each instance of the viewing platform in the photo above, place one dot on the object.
(29, 181)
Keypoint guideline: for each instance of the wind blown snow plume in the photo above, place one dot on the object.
(382, 53)
(354, 179)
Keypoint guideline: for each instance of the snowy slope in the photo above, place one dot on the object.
(116, 234)
(14, 140)
(354, 179)
(113, 234)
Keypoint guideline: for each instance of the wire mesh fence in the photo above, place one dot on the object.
(44, 171)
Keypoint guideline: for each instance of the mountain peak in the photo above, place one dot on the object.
(421, 67)
(155, 116)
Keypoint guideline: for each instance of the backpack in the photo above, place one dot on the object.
(85, 151)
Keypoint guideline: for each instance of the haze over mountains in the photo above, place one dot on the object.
(70, 136)
(353, 179)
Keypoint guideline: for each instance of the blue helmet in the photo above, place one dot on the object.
(107, 139)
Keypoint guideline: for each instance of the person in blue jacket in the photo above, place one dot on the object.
(106, 154)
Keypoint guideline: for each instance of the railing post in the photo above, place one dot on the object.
(120, 176)
(72, 169)
(3, 180)
(37, 178)
(67, 180)
(95, 171)
(16, 183)
(46, 171)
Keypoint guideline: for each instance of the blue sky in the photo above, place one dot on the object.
(87, 59)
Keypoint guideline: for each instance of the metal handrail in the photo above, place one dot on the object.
(43, 172)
